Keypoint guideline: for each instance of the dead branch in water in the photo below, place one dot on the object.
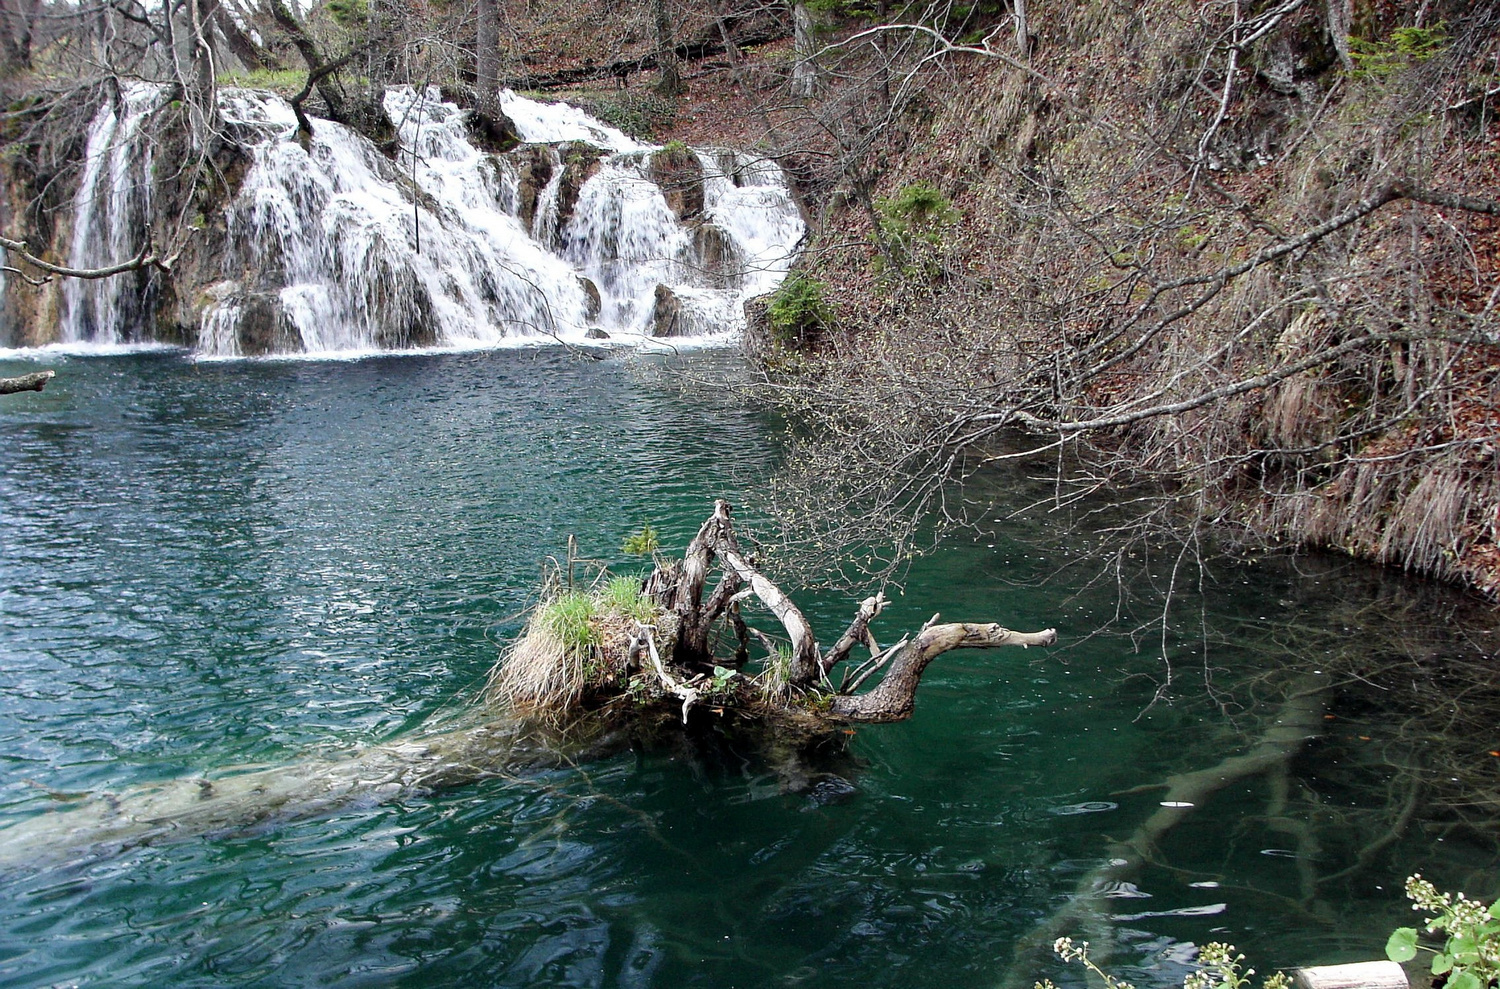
(35, 381)
(584, 653)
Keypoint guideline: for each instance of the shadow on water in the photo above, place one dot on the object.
(306, 568)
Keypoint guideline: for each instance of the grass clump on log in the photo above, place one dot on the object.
(569, 651)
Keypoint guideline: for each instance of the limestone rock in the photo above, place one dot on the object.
(679, 175)
(534, 166)
(666, 315)
(716, 257)
(580, 163)
(592, 301)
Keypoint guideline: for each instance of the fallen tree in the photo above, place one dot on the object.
(595, 671)
(647, 647)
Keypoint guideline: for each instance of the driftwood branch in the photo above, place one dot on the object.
(644, 639)
(26, 382)
(806, 665)
(893, 699)
(858, 631)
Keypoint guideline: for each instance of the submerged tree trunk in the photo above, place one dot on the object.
(26, 382)
(646, 671)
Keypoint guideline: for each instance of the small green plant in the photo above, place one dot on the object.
(638, 112)
(642, 543)
(723, 676)
(911, 222)
(1220, 968)
(920, 206)
(1471, 955)
(348, 13)
(1405, 46)
(798, 309)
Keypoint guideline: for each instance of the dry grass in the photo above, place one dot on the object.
(574, 646)
(537, 673)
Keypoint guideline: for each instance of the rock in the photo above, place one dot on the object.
(489, 129)
(399, 306)
(595, 333)
(580, 163)
(666, 315)
(729, 164)
(716, 257)
(679, 175)
(534, 165)
(593, 304)
(264, 327)
(758, 339)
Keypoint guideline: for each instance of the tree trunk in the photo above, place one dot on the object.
(1339, 17)
(15, 36)
(670, 82)
(487, 50)
(805, 48)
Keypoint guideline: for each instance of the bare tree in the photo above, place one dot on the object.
(1148, 318)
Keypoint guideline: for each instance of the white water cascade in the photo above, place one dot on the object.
(110, 218)
(331, 246)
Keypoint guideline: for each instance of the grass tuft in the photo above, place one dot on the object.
(574, 645)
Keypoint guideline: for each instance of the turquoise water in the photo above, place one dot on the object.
(213, 565)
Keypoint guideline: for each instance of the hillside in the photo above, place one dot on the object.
(1250, 259)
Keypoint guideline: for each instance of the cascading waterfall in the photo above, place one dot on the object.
(110, 218)
(334, 247)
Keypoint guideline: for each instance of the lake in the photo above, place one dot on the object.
(210, 565)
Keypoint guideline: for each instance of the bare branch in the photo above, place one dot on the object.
(145, 259)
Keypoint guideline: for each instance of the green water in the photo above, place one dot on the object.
(209, 565)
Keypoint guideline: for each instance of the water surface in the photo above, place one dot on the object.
(211, 565)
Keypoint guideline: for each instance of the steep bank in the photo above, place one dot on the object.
(1241, 251)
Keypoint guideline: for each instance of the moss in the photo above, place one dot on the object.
(284, 82)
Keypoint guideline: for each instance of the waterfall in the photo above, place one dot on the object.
(334, 247)
(111, 213)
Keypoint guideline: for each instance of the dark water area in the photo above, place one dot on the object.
(207, 565)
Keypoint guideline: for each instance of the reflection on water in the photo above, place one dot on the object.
(215, 565)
